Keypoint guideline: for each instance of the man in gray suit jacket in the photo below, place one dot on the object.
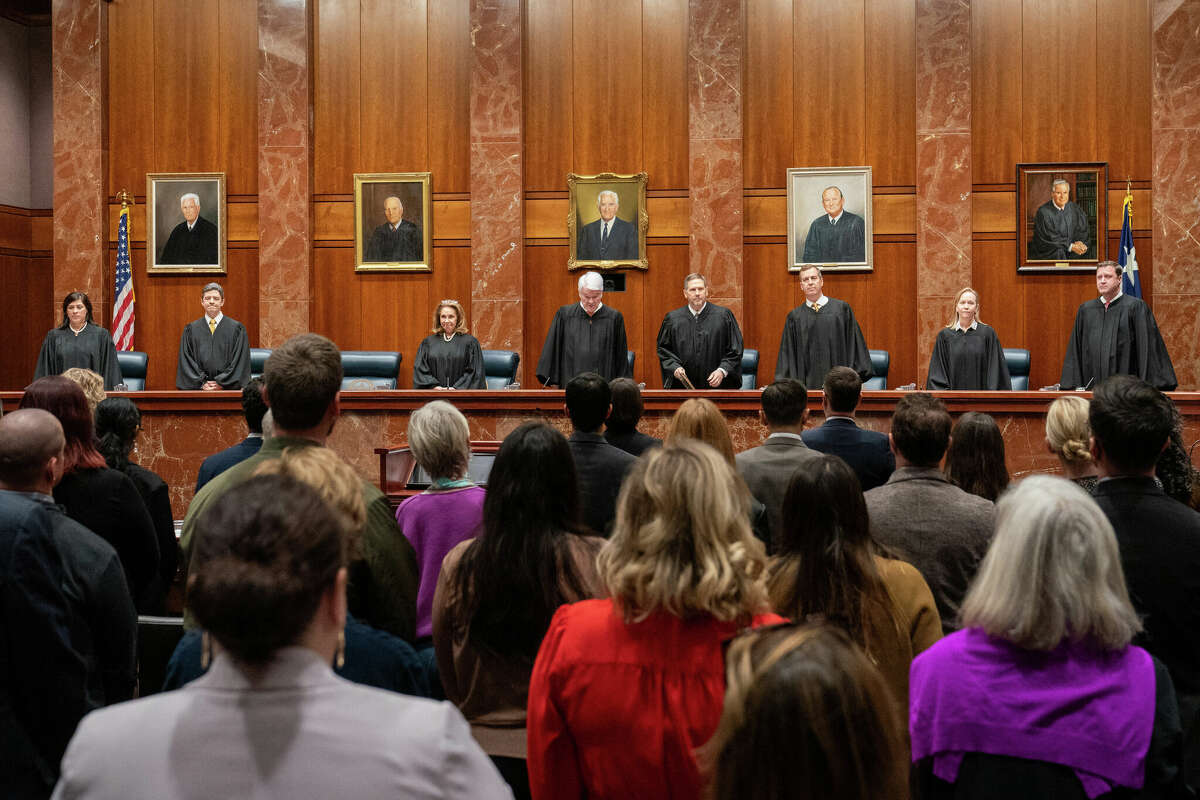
(928, 521)
(768, 468)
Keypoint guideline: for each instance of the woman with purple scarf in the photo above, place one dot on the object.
(1041, 694)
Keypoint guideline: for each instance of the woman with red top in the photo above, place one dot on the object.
(625, 689)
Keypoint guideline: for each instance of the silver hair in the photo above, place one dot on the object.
(393, 197)
(192, 195)
(841, 194)
(692, 277)
(1063, 181)
(615, 198)
(212, 286)
(591, 280)
(440, 439)
(1052, 572)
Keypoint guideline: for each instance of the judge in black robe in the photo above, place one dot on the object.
(454, 363)
(815, 342)
(585, 337)
(969, 358)
(222, 356)
(1056, 229)
(193, 241)
(79, 342)
(1120, 340)
(701, 337)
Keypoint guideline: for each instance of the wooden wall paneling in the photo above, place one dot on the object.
(665, 93)
(632, 305)
(606, 55)
(771, 292)
(394, 100)
(891, 92)
(187, 88)
(238, 116)
(1050, 303)
(395, 309)
(882, 303)
(450, 280)
(662, 292)
(450, 88)
(996, 100)
(548, 285)
(31, 282)
(337, 296)
(1058, 77)
(549, 118)
(336, 118)
(767, 97)
(994, 276)
(1124, 76)
(829, 99)
(130, 109)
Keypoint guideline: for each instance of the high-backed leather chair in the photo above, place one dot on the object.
(880, 361)
(134, 365)
(369, 370)
(749, 369)
(1019, 361)
(500, 367)
(630, 357)
(258, 360)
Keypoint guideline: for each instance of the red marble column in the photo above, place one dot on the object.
(943, 35)
(1175, 121)
(79, 201)
(716, 46)
(497, 176)
(284, 169)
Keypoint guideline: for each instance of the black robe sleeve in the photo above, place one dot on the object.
(423, 377)
(550, 367)
(1072, 368)
(939, 362)
(472, 376)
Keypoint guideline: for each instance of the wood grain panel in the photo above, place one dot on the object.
(450, 88)
(547, 219)
(1058, 77)
(888, 320)
(767, 98)
(15, 229)
(1141, 209)
(238, 122)
(891, 92)
(131, 73)
(665, 93)
(995, 91)
(606, 53)
(994, 212)
(1123, 74)
(394, 99)
(337, 297)
(829, 100)
(771, 292)
(662, 291)
(334, 220)
(31, 280)
(336, 120)
(891, 214)
(41, 233)
(187, 88)
(549, 122)
(395, 310)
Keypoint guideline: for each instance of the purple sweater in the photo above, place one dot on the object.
(434, 522)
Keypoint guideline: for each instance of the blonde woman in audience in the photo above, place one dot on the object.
(91, 383)
(625, 689)
(814, 689)
(270, 719)
(828, 568)
(1041, 694)
(1067, 436)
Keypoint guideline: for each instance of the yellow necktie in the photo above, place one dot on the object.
(212, 326)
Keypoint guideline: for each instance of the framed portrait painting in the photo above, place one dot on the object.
(1061, 213)
(393, 222)
(829, 218)
(607, 221)
(185, 229)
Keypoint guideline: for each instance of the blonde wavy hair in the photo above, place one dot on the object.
(701, 420)
(333, 479)
(681, 542)
(91, 383)
(1067, 430)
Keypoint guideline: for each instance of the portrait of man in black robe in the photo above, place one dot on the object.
(398, 239)
(1061, 230)
(193, 242)
(835, 236)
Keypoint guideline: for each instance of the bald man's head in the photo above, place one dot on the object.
(29, 439)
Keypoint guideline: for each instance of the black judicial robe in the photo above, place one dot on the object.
(815, 342)
(700, 343)
(1054, 232)
(197, 246)
(577, 343)
(844, 241)
(402, 244)
(222, 356)
(457, 363)
(92, 349)
(1124, 340)
(970, 359)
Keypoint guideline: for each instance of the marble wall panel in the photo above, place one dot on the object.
(715, 47)
(1178, 318)
(717, 221)
(174, 446)
(79, 207)
(279, 320)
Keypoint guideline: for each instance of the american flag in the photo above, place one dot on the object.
(123, 288)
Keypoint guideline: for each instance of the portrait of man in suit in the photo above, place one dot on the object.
(606, 220)
(608, 238)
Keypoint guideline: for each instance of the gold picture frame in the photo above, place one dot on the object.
(1038, 246)
(625, 244)
(848, 248)
(383, 245)
(174, 244)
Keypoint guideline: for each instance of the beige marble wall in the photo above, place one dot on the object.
(1175, 123)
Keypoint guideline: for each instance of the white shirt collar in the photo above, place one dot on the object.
(785, 435)
(839, 216)
(594, 313)
(217, 319)
(974, 324)
(822, 301)
(1115, 297)
(697, 313)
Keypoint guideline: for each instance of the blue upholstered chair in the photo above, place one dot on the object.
(134, 364)
(500, 367)
(258, 360)
(880, 361)
(749, 369)
(369, 370)
(1018, 360)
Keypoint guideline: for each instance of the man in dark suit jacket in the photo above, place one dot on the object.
(926, 520)
(768, 468)
(867, 452)
(1159, 537)
(600, 466)
(609, 238)
(254, 409)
